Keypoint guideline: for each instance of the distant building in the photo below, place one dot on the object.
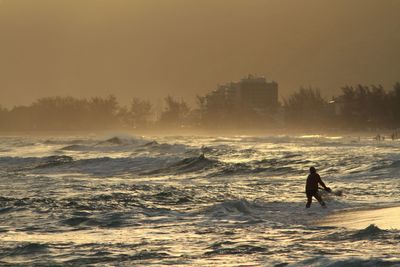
(258, 93)
(252, 92)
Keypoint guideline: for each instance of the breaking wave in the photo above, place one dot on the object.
(370, 232)
(25, 249)
(186, 165)
(239, 208)
(230, 248)
(17, 163)
(350, 262)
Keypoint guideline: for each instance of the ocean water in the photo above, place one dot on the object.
(192, 201)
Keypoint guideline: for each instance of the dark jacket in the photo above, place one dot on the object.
(313, 180)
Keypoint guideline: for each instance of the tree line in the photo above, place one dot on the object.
(355, 108)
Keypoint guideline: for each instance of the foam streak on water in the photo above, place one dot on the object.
(192, 201)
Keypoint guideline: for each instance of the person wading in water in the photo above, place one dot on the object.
(313, 180)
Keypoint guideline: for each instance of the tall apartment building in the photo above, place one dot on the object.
(250, 92)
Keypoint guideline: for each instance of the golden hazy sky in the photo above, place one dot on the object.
(151, 48)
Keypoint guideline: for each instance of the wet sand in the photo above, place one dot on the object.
(384, 218)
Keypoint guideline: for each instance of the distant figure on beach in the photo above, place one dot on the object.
(313, 180)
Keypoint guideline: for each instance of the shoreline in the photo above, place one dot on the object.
(383, 217)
